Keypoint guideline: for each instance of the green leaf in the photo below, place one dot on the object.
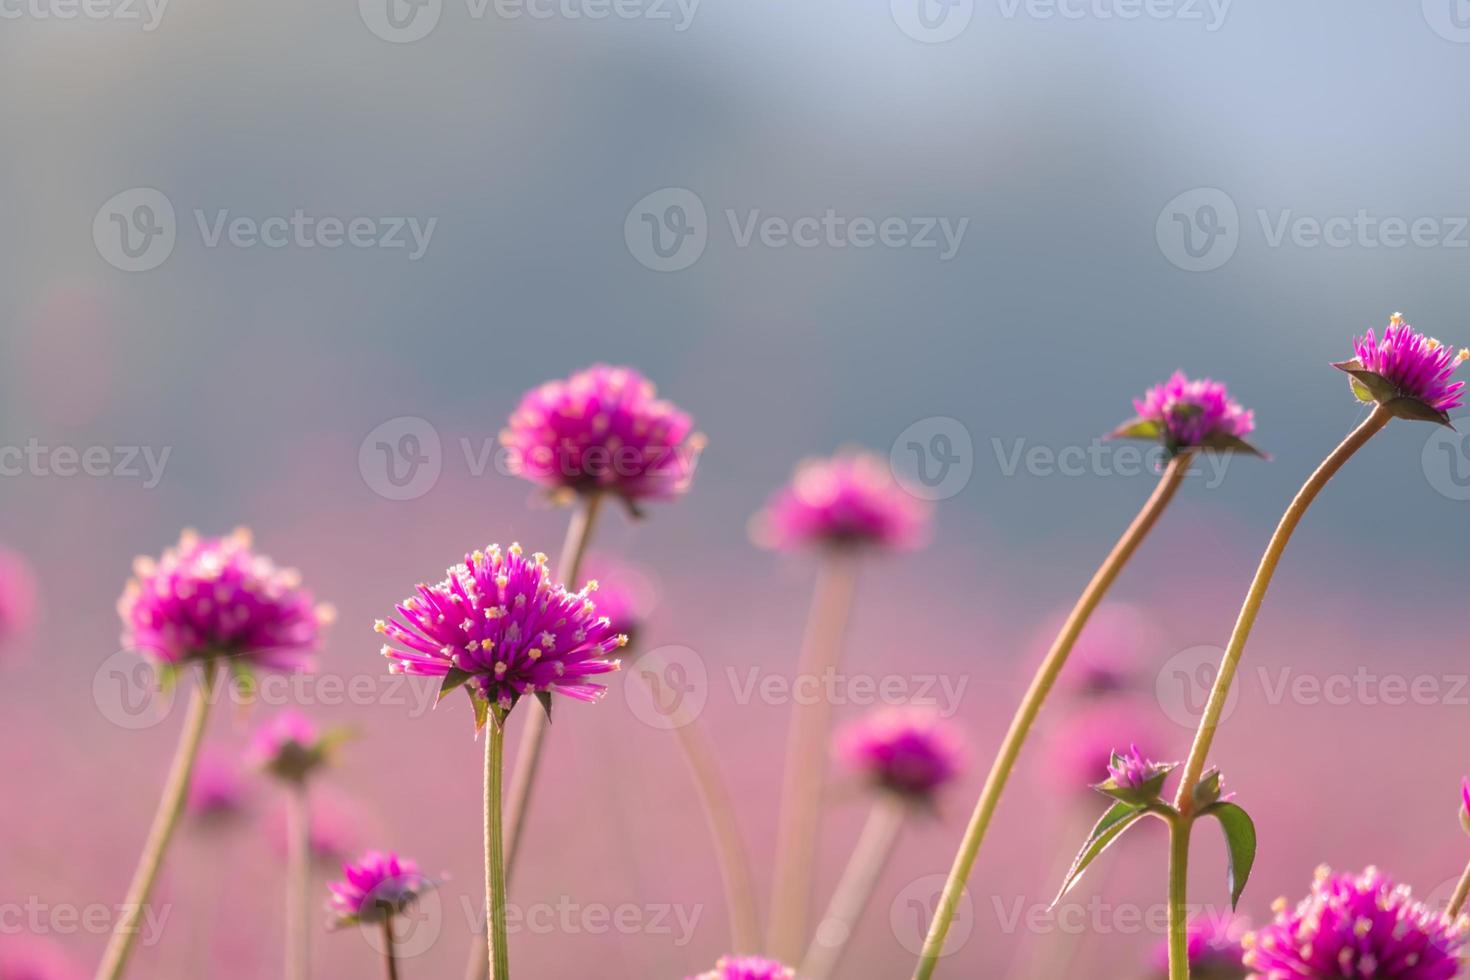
(1240, 841)
(1119, 818)
(1138, 429)
(482, 710)
(455, 678)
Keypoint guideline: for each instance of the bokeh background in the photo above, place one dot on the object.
(1079, 147)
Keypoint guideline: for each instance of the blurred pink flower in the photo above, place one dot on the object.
(17, 596)
(1117, 638)
(1188, 414)
(747, 968)
(602, 429)
(1213, 946)
(1076, 753)
(210, 597)
(289, 746)
(850, 499)
(910, 752)
(376, 886)
(626, 593)
(216, 790)
(28, 958)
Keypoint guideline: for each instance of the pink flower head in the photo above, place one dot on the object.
(210, 597)
(289, 746)
(1130, 770)
(216, 790)
(905, 751)
(1358, 926)
(1406, 372)
(26, 958)
(602, 429)
(747, 968)
(1213, 948)
(850, 499)
(17, 597)
(377, 886)
(1187, 414)
(501, 627)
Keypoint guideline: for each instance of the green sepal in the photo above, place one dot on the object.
(1370, 386)
(545, 698)
(453, 679)
(1240, 844)
(243, 678)
(482, 709)
(1140, 795)
(1227, 443)
(1414, 410)
(167, 676)
(1206, 792)
(1119, 818)
(1138, 429)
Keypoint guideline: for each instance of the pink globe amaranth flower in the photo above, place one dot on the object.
(289, 746)
(216, 791)
(214, 597)
(850, 499)
(1187, 414)
(910, 752)
(1406, 372)
(1105, 660)
(602, 429)
(499, 626)
(1213, 946)
(626, 594)
(1356, 926)
(746, 968)
(1130, 770)
(27, 958)
(17, 596)
(376, 886)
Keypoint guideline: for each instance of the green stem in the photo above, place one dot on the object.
(806, 754)
(1179, 828)
(1210, 720)
(495, 847)
(1462, 891)
(855, 888)
(1030, 707)
(390, 959)
(165, 820)
(298, 883)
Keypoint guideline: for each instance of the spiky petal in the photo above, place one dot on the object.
(1416, 366)
(1359, 926)
(208, 597)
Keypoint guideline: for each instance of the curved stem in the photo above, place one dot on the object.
(1030, 706)
(719, 810)
(855, 888)
(495, 848)
(1194, 767)
(1462, 891)
(165, 820)
(1179, 828)
(806, 753)
(298, 883)
(390, 959)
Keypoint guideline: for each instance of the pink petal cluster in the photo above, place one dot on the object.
(1130, 770)
(1356, 926)
(500, 619)
(209, 597)
(216, 790)
(287, 745)
(602, 429)
(1192, 410)
(376, 886)
(1419, 366)
(848, 499)
(746, 968)
(625, 593)
(906, 751)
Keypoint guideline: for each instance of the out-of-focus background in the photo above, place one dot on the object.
(1027, 212)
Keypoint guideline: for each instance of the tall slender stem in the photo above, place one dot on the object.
(533, 736)
(298, 883)
(495, 848)
(1030, 706)
(719, 811)
(165, 820)
(806, 751)
(1462, 891)
(855, 888)
(1194, 767)
(1179, 828)
(537, 726)
(390, 958)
